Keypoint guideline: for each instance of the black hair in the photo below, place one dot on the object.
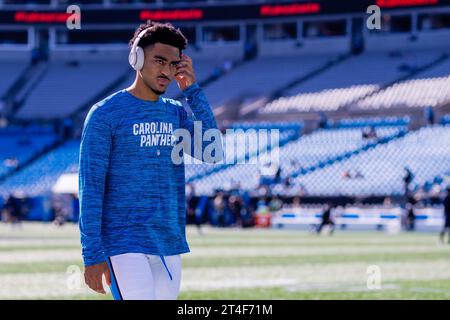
(164, 33)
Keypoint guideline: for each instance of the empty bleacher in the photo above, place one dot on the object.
(40, 176)
(18, 145)
(319, 147)
(350, 80)
(425, 151)
(428, 88)
(241, 143)
(12, 70)
(261, 76)
(68, 85)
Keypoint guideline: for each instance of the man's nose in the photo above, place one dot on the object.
(166, 71)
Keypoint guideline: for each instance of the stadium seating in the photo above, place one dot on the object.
(13, 70)
(330, 151)
(261, 76)
(39, 177)
(67, 86)
(445, 119)
(429, 88)
(319, 147)
(238, 149)
(352, 79)
(366, 122)
(425, 151)
(20, 144)
(324, 100)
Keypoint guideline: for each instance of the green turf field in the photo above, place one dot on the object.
(40, 261)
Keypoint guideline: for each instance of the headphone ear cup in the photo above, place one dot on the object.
(132, 59)
(139, 58)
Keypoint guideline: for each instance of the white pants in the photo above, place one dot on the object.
(137, 276)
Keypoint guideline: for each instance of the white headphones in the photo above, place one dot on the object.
(136, 56)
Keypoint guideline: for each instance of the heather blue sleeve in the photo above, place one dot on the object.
(202, 113)
(95, 152)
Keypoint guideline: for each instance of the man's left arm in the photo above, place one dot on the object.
(202, 114)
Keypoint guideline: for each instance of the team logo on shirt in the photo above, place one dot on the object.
(154, 133)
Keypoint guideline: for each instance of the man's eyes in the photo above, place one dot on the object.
(162, 62)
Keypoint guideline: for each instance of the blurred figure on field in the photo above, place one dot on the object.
(326, 219)
(446, 227)
(410, 215)
(236, 203)
(61, 210)
(219, 207)
(191, 210)
(15, 209)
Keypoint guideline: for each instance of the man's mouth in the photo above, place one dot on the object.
(163, 81)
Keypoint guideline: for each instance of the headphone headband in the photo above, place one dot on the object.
(139, 37)
(136, 55)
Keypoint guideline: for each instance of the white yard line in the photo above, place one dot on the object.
(332, 277)
(39, 256)
(336, 273)
(287, 250)
(26, 256)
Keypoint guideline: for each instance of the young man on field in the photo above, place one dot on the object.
(132, 193)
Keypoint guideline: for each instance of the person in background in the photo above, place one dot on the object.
(326, 219)
(296, 202)
(429, 115)
(387, 202)
(407, 179)
(17, 208)
(369, 133)
(275, 204)
(323, 120)
(191, 208)
(63, 209)
(446, 227)
(219, 207)
(410, 215)
(235, 204)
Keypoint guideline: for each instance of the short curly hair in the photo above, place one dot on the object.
(164, 33)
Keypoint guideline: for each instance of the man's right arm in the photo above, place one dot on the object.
(95, 150)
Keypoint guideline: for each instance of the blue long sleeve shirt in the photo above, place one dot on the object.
(132, 195)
